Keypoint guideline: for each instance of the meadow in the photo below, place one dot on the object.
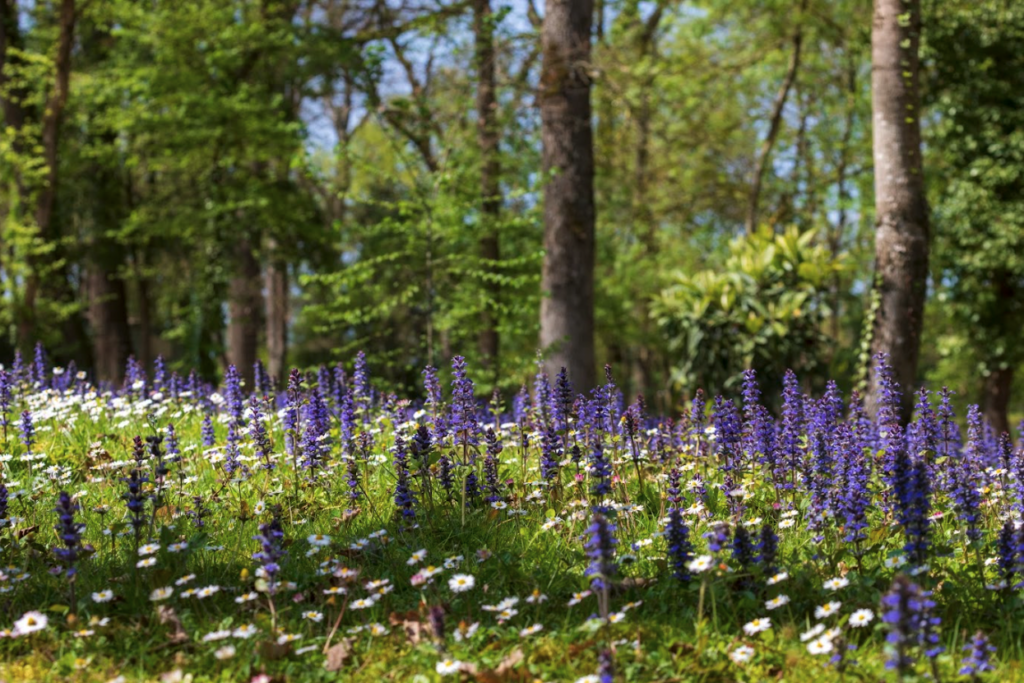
(169, 530)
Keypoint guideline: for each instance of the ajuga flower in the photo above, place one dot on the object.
(768, 550)
(403, 496)
(6, 382)
(70, 533)
(561, 401)
(258, 432)
(600, 548)
(462, 422)
(790, 449)
(977, 661)
(600, 471)
(743, 553)
(39, 365)
(677, 535)
(207, 431)
(3, 505)
(269, 555)
(233, 394)
(606, 666)
(28, 431)
(907, 610)
(492, 484)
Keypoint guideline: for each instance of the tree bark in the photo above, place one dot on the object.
(43, 198)
(108, 314)
(244, 302)
(774, 123)
(567, 279)
(995, 400)
(105, 287)
(277, 314)
(490, 173)
(901, 209)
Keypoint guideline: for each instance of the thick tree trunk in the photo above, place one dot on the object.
(901, 209)
(490, 173)
(244, 302)
(105, 287)
(567, 279)
(995, 400)
(277, 315)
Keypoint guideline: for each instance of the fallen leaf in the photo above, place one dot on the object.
(271, 650)
(414, 629)
(338, 654)
(632, 582)
(168, 617)
(506, 671)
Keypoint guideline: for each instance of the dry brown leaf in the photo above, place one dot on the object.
(338, 654)
(272, 650)
(415, 630)
(632, 582)
(506, 671)
(577, 648)
(168, 617)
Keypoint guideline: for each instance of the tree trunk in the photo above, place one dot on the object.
(567, 279)
(108, 315)
(41, 279)
(901, 209)
(490, 173)
(144, 318)
(277, 315)
(105, 287)
(774, 124)
(995, 400)
(244, 302)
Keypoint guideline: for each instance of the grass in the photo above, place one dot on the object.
(660, 628)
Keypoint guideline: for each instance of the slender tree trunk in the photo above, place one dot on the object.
(108, 315)
(995, 400)
(244, 302)
(490, 173)
(43, 198)
(901, 209)
(567, 280)
(774, 124)
(277, 314)
(144, 316)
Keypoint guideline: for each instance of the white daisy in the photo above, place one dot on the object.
(448, 666)
(461, 583)
(827, 610)
(161, 594)
(742, 654)
(819, 646)
(837, 583)
(814, 632)
(861, 617)
(757, 625)
(700, 564)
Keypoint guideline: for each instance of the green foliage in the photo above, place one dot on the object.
(976, 88)
(410, 285)
(763, 308)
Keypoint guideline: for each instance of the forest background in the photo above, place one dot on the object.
(291, 181)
